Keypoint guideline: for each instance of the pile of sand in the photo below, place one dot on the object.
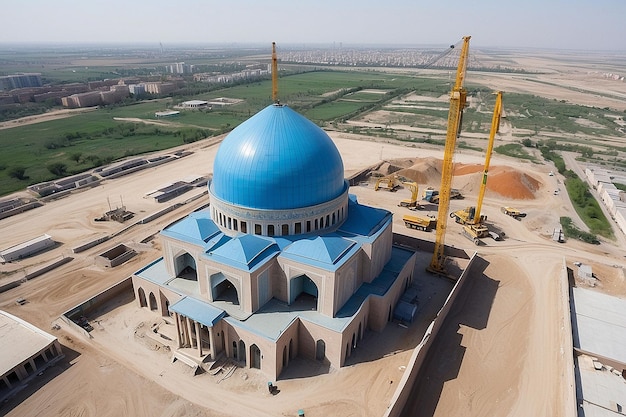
(504, 181)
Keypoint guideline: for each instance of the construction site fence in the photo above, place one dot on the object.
(416, 361)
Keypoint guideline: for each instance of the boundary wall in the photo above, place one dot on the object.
(93, 303)
(400, 397)
(570, 405)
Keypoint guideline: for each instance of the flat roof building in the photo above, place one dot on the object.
(26, 351)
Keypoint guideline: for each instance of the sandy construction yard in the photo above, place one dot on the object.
(504, 351)
(516, 343)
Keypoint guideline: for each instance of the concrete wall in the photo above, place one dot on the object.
(88, 245)
(92, 304)
(419, 353)
(568, 348)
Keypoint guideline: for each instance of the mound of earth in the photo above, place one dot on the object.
(505, 181)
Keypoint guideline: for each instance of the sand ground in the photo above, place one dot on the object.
(502, 353)
(518, 342)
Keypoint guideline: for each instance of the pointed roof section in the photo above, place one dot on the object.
(245, 251)
(198, 226)
(328, 249)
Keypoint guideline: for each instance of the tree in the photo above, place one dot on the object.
(76, 157)
(18, 173)
(57, 168)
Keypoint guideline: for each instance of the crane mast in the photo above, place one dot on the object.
(458, 97)
(274, 74)
(495, 125)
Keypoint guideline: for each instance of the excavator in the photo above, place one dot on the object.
(473, 222)
(390, 182)
(458, 101)
(412, 202)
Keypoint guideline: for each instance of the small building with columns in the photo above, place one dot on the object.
(284, 262)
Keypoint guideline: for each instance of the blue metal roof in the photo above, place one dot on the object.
(363, 220)
(327, 249)
(199, 311)
(244, 251)
(277, 160)
(197, 227)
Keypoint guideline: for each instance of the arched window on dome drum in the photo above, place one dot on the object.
(316, 227)
(230, 223)
(221, 222)
(270, 230)
(308, 226)
(285, 230)
(333, 218)
(235, 224)
(257, 229)
(244, 227)
(298, 228)
(327, 220)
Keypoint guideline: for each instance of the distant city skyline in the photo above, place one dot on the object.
(558, 24)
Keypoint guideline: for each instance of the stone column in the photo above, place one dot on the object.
(189, 331)
(199, 338)
(178, 332)
(211, 343)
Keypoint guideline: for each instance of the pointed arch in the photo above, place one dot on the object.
(185, 267)
(223, 289)
(255, 357)
(320, 350)
(141, 294)
(153, 302)
(303, 285)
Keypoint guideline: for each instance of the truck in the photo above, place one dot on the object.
(432, 196)
(425, 224)
(513, 212)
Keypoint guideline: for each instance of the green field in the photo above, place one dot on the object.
(84, 141)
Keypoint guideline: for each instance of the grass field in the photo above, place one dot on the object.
(84, 141)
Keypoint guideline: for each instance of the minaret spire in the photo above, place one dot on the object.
(274, 74)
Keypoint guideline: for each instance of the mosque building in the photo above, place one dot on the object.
(284, 262)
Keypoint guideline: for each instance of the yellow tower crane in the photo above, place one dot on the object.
(495, 127)
(458, 97)
(474, 227)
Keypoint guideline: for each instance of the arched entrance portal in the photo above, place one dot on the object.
(223, 290)
(185, 266)
(303, 290)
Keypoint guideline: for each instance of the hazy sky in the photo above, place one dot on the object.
(562, 24)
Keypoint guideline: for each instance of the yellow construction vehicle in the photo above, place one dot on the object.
(432, 196)
(412, 202)
(513, 212)
(467, 216)
(419, 222)
(390, 183)
(458, 98)
(474, 227)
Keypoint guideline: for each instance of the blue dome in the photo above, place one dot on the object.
(277, 160)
